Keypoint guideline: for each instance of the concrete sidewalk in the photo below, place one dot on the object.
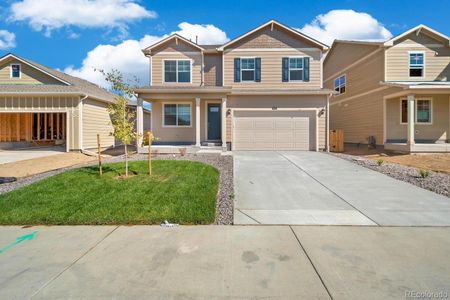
(224, 262)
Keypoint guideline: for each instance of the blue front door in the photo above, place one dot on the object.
(214, 122)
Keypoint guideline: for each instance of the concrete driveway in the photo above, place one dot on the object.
(304, 188)
(224, 262)
(8, 156)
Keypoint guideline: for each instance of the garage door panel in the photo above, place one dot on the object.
(264, 132)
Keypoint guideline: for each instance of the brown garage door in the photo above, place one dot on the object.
(273, 131)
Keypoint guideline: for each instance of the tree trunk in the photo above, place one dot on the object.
(126, 161)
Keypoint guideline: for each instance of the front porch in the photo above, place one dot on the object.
(418, 122)
(192, 121)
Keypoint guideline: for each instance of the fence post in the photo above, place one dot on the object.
(149, 153)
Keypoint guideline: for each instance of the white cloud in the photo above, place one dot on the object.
(47, 15)
(128, 58)
(7, 40)
(345, 24)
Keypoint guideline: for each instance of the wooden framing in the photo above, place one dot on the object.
(16, 127)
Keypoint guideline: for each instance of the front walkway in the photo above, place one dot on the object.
(310, 188)
(223, 262)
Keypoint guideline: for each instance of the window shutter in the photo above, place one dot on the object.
(237, 69)
(285, 69)
(306, 69)
(258, 69)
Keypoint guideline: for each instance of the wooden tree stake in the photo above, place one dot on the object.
(99, 155)
(149, 153)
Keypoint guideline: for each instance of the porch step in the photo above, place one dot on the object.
(211, 144)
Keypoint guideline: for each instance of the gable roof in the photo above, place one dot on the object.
(71, 84)
(271, 23)
(417, 30)
(148, 50)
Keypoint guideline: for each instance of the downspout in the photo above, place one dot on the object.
(328, 123)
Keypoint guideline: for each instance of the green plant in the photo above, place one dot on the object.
(380, 161)
(424, 173)
(122, 117)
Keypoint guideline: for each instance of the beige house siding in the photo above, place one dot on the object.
(174, 50)
(236, 102)
(359, 79)
(438, 131)
(176, 134)
(271, 69)
(96, 120)
(213, 69)
(29, 75)
(158, 67)
(64, 104)
(437, 59)
(344, 55)
(271, 37)
(271, 45)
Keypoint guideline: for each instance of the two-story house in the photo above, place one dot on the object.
(42, 106)
(260, 91)
(395, 93)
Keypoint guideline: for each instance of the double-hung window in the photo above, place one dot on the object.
(177, 71)
(248, 69)
(416, 64)
(339, 84)
(177, 114)
(422, 111)
(15, 71)
(295, 68)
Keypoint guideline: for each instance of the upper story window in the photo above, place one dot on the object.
(295, 69)
(15, 71)
(247, 69)
(339, 84)
(177, 71)
(416, 64)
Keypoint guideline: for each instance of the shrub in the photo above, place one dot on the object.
(424, 173)
(380, 162)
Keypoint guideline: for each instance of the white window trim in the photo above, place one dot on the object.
(176, 70)
(334, 87)
(415, 111)
(289, 69)
(254, 68)
(176, 116)
(409, 64)
(11, 71)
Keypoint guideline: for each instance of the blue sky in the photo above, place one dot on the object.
(61, 33)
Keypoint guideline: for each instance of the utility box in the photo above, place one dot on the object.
(336, 140)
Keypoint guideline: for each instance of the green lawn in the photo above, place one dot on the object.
(179, 191)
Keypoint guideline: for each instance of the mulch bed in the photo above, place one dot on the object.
(224, 163)
(435, 182)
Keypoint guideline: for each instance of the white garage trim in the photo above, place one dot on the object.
(316, 110)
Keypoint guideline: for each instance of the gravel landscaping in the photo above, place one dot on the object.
(435, 182)
(224, 163)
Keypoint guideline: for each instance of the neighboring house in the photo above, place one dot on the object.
(40, 105)
(397, 92)
(260, 91)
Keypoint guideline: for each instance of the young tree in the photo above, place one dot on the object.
(122, 117)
